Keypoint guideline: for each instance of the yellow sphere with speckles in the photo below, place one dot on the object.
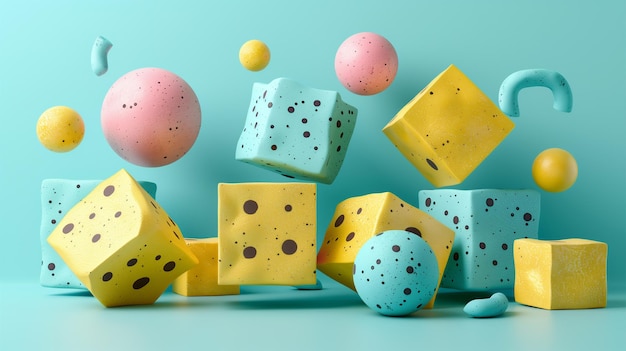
(60, 129)
(555, 170)
(254, 55)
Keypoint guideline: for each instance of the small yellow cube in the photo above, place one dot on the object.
(448, 128)
(202, 279)
(560, 274)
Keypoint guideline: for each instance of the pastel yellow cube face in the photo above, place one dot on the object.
(267, 233)
(560, 274)
(201, 280)
(448, 128)
(121, 244)
(359, 218)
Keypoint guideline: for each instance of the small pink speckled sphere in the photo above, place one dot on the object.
(150, 117)
(366, 63)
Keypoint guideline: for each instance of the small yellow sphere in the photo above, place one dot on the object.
(555, 170)
(254, 55)
(60, 129)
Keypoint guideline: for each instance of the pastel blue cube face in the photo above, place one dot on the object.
(297, 131)
(58, 196)
(485, 222)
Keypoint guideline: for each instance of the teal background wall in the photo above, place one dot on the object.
(45, 61)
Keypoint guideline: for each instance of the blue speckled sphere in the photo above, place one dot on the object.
(395, 273)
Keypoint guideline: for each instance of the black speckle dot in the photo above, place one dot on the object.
(339, 220)
(432, 164)
(68, 228)
(108, 191)
(249, 252)
(107, 276)
(414, 231)
(250, 207)
(140, 283)
(289, 247)
(168, 267)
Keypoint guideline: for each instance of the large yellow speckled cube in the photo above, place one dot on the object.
(448, 128)
(560, 274)
(121, 243)
(201, 280)
(267, 233)
(359, 218)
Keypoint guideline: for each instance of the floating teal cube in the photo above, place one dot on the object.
(297, 131)
(485, 222)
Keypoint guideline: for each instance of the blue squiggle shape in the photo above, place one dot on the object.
(511, 86)
(99, 51)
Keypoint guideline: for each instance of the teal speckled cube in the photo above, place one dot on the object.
(297, 131)
(58, 196)
(485, 222)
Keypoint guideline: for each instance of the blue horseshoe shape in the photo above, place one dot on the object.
(511, 86)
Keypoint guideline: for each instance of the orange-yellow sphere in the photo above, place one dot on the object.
(60, 129)
(555, 170)
(254, 55)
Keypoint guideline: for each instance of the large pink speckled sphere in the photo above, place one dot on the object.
(366, 63)
(150, 117)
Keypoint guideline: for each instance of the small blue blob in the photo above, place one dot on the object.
(99, 51)
(493, 306)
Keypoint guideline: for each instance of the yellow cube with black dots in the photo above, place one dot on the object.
(448, 128)
(267, 233)
(201, 280)
(121, 244)
(560, 274)
(359, 218)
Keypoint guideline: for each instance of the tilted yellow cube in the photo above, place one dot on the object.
(560, 274)
(201, 280)
(121, 244)
(448, 128)
(267, 233)
(359, 218)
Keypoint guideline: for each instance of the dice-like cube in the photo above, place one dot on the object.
(267, 233)
(448, 128)
(121, 244)
(297, 131)
(486, 223)
(201, 280)
(359, 218)
(560, 274)
(58, 196)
